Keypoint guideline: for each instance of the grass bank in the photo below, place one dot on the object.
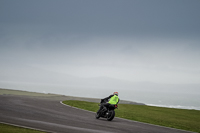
(169, 117)
(4, 128)
(23, 93)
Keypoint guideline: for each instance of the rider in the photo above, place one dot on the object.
(114, 99)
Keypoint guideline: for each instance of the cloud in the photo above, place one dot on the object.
(130, 59)
(134, 40)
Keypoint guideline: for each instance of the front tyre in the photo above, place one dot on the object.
(97, 115)
(111, 115)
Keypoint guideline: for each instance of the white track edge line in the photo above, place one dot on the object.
(75, 107)
(129, 120)
(27, 127)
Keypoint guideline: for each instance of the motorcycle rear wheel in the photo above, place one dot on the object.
(111, 115)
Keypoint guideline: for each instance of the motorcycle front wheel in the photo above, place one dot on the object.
(97, 115)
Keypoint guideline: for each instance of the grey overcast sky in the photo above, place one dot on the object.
(136, 40)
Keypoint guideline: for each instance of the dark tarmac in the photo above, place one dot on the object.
(50, 115)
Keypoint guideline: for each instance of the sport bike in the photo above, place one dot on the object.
(107, 113)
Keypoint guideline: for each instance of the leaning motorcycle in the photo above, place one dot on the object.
(107, 113)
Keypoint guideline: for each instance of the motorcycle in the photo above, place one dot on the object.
(107, 113)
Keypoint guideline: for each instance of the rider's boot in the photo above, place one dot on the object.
(104, 110)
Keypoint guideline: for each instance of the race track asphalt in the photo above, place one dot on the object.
(52, 116)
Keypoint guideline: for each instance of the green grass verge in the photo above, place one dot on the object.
(169, 117)
(23, 93)
(4, 128)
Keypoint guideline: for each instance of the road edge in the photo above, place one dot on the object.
(130, 120)
(27, 127)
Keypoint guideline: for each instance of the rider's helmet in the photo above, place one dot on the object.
(115, 93)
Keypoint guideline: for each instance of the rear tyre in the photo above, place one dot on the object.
(111, 115)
